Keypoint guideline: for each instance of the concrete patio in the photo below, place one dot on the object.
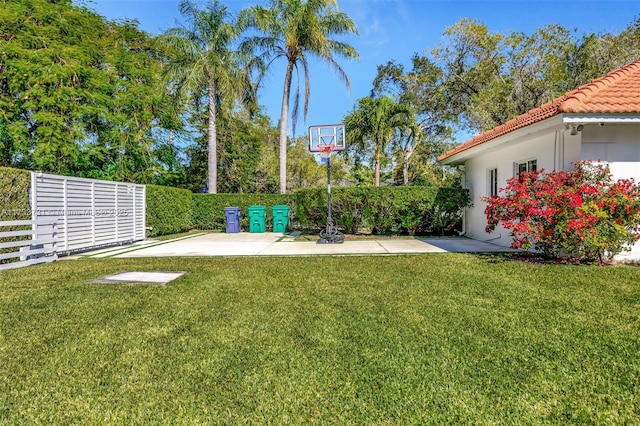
(276, 244)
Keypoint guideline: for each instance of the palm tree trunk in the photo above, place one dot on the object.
(213, 145)
(377, 171)
(284, 113)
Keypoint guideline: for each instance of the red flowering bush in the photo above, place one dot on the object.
(581, 213)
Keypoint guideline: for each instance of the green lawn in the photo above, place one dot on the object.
(439, 338)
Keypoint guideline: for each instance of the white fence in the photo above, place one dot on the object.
(90, 213)
(39, 248)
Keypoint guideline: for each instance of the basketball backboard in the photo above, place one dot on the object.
(329, 134)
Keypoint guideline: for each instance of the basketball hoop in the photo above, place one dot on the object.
(325, 151)
(324, 140)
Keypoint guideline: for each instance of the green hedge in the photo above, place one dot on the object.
(382, 210)
(426, 210)
(168, 210)
(208, 209)
(14, 203)
(448, 205)
(14, 194)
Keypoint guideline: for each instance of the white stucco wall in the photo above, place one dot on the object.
(619, 146)
(548, 149)
(554, 149)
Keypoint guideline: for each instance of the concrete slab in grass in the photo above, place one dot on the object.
(135, 277)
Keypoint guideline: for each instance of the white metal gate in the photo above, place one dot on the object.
(91, 213)
(39, 247)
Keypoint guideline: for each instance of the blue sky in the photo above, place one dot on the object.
(391, 30)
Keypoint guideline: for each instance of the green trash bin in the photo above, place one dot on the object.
(280, 218)
(257, 216)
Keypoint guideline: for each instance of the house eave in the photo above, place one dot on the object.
(553, 123)
(583, 118)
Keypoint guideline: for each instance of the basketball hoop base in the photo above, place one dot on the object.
(330, 235)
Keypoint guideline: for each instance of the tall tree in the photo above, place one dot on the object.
(422, 89)
(472, 59)
(490, 78)
(47, 83)
(409, 135)
(131, 129)
(201, 60)
(303, 170)
(594, 55)
(296, 30)
(371, 125)
(79, 95)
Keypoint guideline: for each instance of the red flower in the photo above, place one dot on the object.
(554, 212)
(576, 200)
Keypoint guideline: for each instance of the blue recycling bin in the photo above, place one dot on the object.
(280, 215)
(232, 215)
(257, 219)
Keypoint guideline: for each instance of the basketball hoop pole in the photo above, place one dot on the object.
(329, 219)
(330, 235)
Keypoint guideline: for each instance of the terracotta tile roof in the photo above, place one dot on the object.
(615, 93)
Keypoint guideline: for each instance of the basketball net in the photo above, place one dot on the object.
(325, 151)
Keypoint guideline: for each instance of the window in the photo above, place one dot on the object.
(526, 166)
(493, 182)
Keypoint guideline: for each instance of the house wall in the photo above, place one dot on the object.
(543, 149)
(619, 146)
(616, 144)
(556, 149)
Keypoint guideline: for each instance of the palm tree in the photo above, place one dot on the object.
(201, 60)
(373, 123)
(296, 30)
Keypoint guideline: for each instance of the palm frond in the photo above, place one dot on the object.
(337, 23)
(342, 49)
(307, 86)
(296, 103)
(338, 70)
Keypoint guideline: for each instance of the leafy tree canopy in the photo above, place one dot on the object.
(79, 95)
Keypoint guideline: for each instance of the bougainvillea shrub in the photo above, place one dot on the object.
(583, 214)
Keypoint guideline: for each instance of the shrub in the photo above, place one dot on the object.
(582, 214)
(168, 210)
(448, 209)
(14, 203)
(14, 194)
(383, 209)
(380, 210)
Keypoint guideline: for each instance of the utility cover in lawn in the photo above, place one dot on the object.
(139, 278)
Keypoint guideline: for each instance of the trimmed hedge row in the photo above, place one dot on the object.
(14, 194)
(383, 210)
(426, 210)
(208, 209)
(169, 210)
(14, 203)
